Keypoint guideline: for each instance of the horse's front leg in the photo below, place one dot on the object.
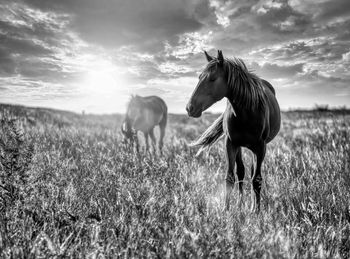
(240, 173)
(146, 141)
(257, 178)
(137, 144)
(231, 153)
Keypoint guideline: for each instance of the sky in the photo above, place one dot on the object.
(89, 55)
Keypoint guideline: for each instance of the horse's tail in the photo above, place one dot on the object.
(164, 119)
(210, 136)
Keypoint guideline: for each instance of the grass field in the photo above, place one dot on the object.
(71, 188)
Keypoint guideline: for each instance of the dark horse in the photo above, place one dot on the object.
(252, 117)
(143, 114)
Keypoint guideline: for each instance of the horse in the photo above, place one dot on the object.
(252, 118)
(143, 114)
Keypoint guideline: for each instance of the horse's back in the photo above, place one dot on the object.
(154, 113)
(155, 104)
(273, 111)
(269, 86)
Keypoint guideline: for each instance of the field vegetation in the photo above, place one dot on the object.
(70, 187)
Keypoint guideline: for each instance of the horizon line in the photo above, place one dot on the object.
(324, 107)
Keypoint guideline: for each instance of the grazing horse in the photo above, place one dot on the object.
(143, 114)
(252, 117)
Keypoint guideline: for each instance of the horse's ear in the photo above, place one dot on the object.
(209, 58)
(220, 57)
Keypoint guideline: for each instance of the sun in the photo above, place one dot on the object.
(101, 82)
(103, 89)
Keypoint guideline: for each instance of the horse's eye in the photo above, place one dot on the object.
(212, 78)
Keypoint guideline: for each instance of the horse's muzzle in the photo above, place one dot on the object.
(192, 111)
(189, 108)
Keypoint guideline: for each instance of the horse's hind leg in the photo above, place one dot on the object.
(231, 153)
(257, 178)
(153, 139)
(161, 137)
(162, 126)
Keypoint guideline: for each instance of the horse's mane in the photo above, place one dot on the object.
(134, 100)
(246, 88)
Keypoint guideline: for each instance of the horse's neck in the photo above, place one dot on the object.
(231, 104)
(237, 110)
(259, 104)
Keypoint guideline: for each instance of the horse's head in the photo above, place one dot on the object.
(133, 111)
(212, 86)
(127, 130)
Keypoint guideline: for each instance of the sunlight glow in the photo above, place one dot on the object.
(103, 88)
(101, 82)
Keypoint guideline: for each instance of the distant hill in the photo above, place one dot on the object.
(62, 117)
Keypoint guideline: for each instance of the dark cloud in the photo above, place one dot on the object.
(333, 9)
(144, 24)
(7, 64)
(33, 43)
(255, 24)
(22, 46)
(204, 13)
(282, 18)
(14, 49)
(44, 70)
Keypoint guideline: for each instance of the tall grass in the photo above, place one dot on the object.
(91, 195)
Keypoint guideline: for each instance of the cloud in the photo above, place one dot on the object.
(144, 24)
(280, 17)
(330, 10)
(52, 48)
(7, 64)
(227, 11)
(273, 71)
(22, 46)
(33, 42)
(324, 54)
